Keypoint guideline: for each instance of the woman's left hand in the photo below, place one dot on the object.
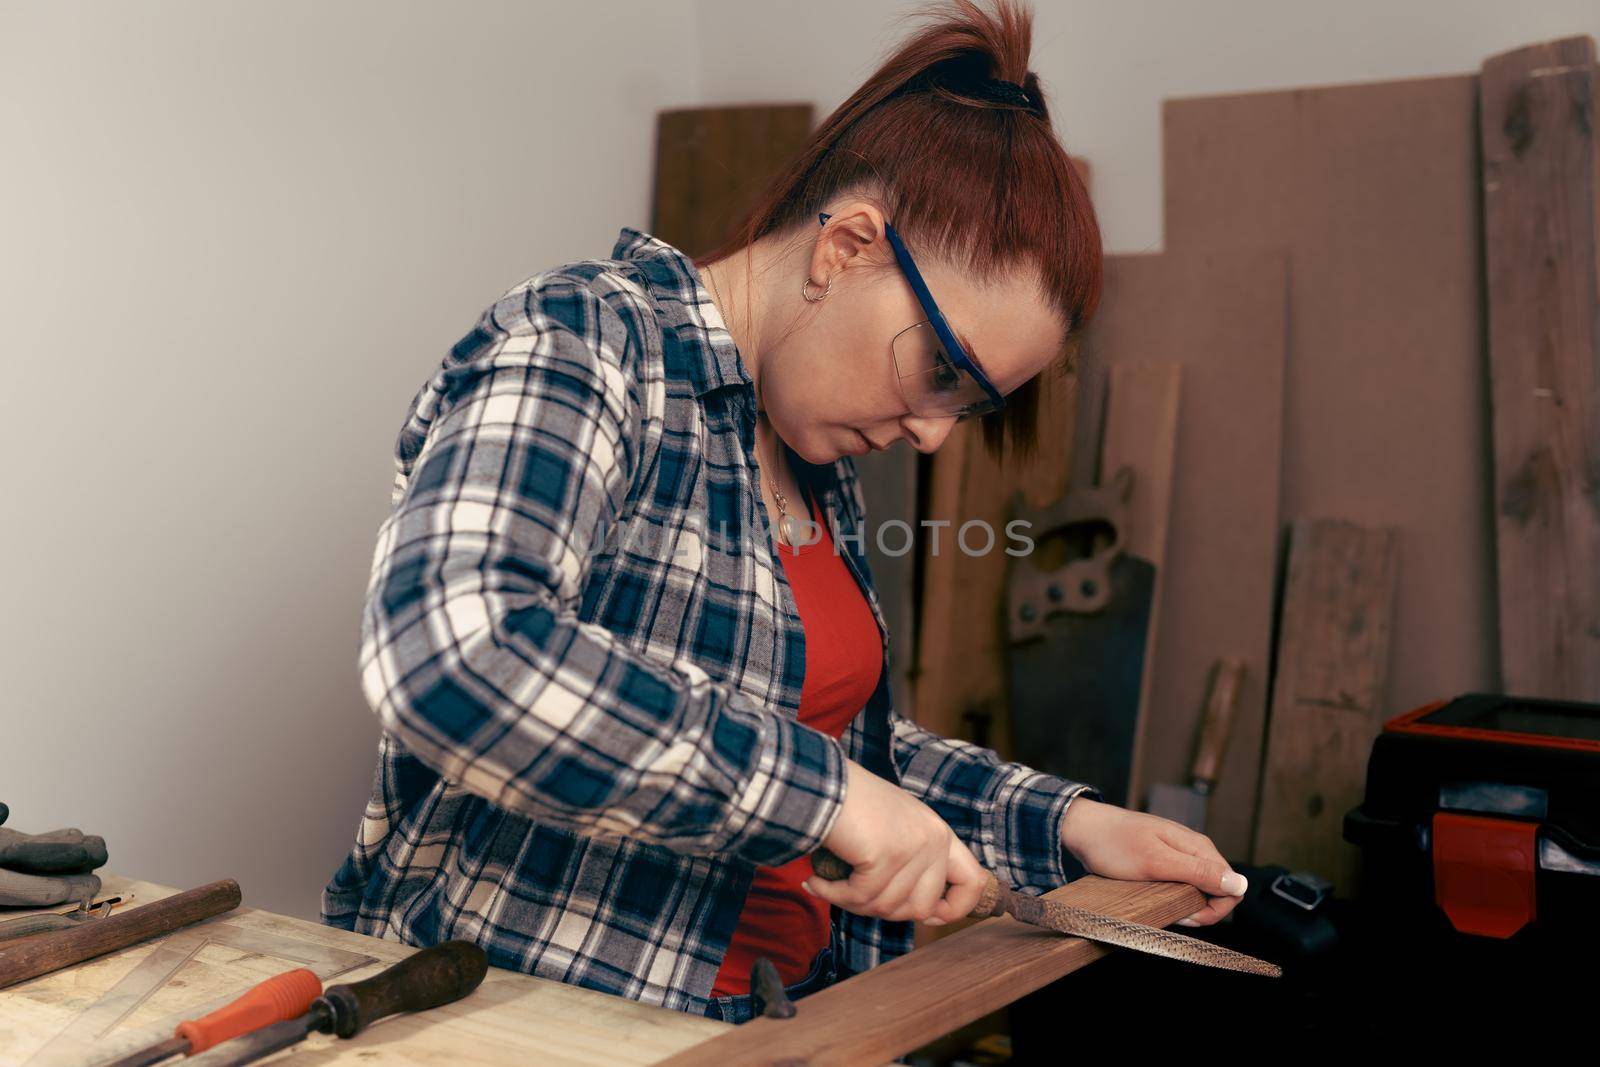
(1114, 842)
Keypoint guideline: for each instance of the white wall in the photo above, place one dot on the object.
(237, 237)
(1106, 66)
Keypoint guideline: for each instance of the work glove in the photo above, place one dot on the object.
(38, 870)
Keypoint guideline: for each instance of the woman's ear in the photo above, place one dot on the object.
(854, 233)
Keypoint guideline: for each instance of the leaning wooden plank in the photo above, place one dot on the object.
(1541, 181)
(1143, 409)
(889, 491)
(959, 674)
(962, 661)
(896, 1007)
(1222, 312)
(1080, 673)
(939, 683)
(1329, 694)
(712, 163)
(1375, 190)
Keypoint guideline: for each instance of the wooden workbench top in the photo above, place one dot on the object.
(512, 1018)
(864, 1021)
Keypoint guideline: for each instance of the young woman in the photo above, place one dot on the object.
(626, 689)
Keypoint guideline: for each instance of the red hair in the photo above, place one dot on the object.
(981, 184)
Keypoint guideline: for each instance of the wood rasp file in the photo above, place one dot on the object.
(1066, 919)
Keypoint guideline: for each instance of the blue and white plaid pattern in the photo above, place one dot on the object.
(587, 660)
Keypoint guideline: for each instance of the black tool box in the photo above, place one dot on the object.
(1483, 813)
(1475, 914)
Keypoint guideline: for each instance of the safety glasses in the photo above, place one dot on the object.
(937, 377)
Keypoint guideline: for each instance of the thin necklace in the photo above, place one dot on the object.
(786, 534)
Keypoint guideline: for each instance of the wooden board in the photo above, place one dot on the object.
(961, 667)
(508, 1018)
(902, 1004)
(1141, 431)
(1374, 190)
(1541, 180)
(958, 674)
(1222, 313)
(889, 491)
(712, 163)
(1080, 692)
(1329, 694)
(1143, 406)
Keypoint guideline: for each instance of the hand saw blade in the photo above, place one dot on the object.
(1092, 926)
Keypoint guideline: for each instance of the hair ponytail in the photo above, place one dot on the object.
(970, 172)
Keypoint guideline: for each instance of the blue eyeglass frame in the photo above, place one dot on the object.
(941, 329)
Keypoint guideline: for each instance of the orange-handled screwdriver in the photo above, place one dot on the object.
(282, 997)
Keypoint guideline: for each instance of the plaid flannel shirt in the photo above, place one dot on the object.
(587, 662)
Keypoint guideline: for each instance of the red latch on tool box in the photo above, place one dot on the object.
(1483, 872)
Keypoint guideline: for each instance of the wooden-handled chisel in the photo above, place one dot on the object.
(1066, 919)
(1186, 802)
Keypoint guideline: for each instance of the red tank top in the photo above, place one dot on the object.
(844, 657)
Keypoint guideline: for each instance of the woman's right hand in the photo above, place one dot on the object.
(907, 862)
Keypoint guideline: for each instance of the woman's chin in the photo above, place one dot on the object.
(831, 451)
(820, 459)
(815, 456)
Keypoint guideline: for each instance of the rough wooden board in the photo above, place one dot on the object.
(958, 674)
(900, 1005)
(889, 491)
(1374, 189)
(1328, 698)
(1541, 170)
(1222, 313)
(936, 681)
(712, 162)
(1079, 695)
(1143, 406)
(1141, 430)
(961, 655)
(504, 1020)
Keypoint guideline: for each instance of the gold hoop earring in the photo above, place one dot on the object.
(808, 296)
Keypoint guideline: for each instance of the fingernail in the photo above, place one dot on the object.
(1187, 922)
(806, 885)
(1234, 884)
(932, 922)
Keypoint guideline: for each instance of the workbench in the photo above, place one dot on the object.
(512, 1018)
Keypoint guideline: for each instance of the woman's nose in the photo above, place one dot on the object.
(926, 433)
